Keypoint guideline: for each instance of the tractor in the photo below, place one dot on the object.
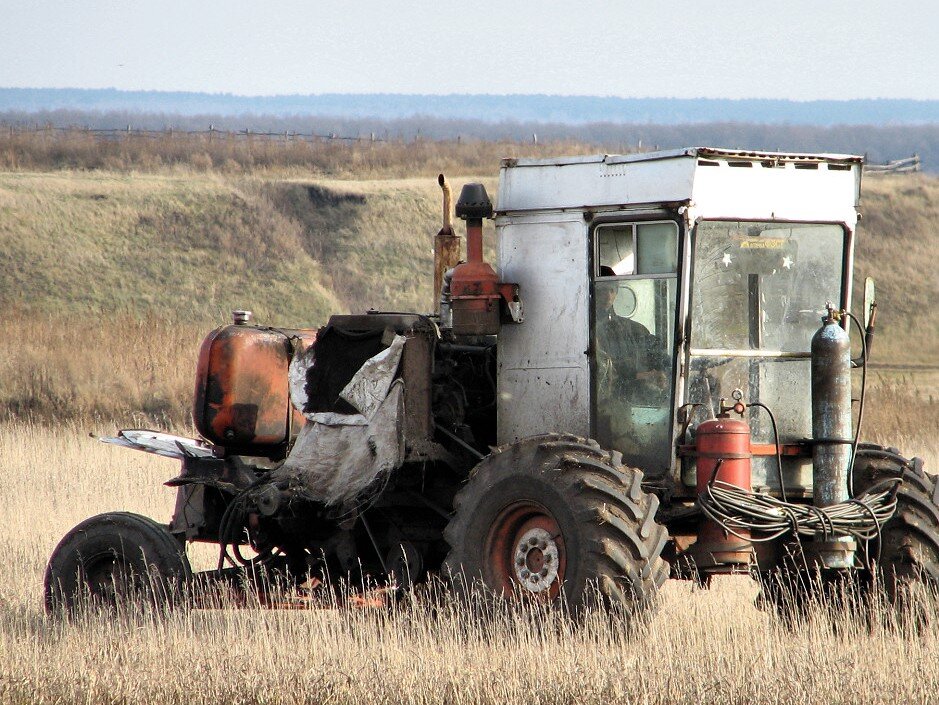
(657, 382)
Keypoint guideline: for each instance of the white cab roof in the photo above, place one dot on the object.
(712, 182)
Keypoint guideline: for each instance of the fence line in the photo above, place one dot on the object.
(907, 165)
(212, 133)
(897, 166)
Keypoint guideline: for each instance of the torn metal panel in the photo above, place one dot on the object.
(369, 386)
(189, 515)
(163, 444)
(296, 377)
(337, 457)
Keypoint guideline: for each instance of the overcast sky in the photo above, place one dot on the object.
(796, 49)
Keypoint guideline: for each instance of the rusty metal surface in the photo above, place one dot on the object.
(241, 397)
(416, 368)
(525, 552)
(446, 243)
(723, 455)
(474, 289)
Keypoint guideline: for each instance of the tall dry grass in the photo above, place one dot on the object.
(699, 646)
(139, 369)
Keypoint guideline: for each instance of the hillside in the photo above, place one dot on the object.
(898, 246)
(111, 279)
(195, 246)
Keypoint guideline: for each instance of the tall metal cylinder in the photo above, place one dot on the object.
(831, 412)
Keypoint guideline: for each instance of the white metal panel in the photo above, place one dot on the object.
(544, 379)
(776, 193)
(771, 187)
(587, 184)
(535, 401)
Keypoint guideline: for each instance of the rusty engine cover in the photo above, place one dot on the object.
(242, 397)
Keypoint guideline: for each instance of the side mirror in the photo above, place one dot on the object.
(870, 315)
(870, 303)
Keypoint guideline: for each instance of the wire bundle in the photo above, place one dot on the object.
(737, 510)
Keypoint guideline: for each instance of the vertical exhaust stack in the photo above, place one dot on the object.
(831, 432)
(446, 244)
(478, 298)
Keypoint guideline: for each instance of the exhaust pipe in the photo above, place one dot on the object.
(446, 244)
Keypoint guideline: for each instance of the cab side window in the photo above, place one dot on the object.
(634, 301)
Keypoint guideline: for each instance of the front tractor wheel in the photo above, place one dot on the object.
(112, 558)
(557, 518)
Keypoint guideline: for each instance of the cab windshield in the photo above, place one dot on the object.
(758, 293)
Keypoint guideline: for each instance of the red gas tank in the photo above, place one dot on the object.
(728, 441)
(722, 445)
(242, 397)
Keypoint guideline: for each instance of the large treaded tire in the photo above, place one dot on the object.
(909, 547)
(607, 544)
(112, 557)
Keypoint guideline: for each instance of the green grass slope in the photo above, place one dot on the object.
(898, 246)
(194, 246)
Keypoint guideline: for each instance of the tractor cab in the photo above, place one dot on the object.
(657, 284)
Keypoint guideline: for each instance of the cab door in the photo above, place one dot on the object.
(634, 292)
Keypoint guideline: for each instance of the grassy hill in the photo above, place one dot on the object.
(898, 246)
(111, 278)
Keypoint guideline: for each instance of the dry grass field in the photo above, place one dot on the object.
(700, 646)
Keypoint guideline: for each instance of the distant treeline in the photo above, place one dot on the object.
(879, 144)
(490, 108)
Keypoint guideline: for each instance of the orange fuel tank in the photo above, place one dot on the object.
(242, 396)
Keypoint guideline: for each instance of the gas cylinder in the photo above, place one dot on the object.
(832, 434)
(722, 447)
(831, 412)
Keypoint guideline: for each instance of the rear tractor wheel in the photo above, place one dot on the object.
(112, 558)
(557, 518)
(909, 542)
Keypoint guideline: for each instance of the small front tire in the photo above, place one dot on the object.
(112, 557)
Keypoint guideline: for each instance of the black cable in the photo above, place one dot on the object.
(779, 467)
(371, 536)
(227, 522)
(736, 509)
(860, 410)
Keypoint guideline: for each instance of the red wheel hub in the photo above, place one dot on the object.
(525, 551)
